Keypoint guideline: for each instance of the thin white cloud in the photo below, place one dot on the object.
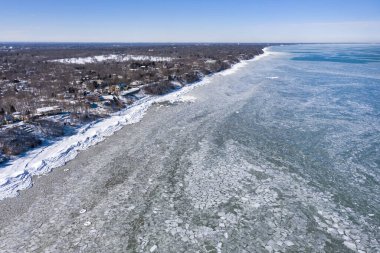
(351, 31)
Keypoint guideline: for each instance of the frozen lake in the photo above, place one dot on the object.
(282, 155)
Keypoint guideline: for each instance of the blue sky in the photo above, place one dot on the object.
(190, 20)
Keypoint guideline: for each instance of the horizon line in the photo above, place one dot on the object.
(173, 42)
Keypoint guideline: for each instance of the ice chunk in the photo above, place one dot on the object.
(153, 248)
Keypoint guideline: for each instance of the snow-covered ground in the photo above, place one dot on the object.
(17, 174)
(111, 57)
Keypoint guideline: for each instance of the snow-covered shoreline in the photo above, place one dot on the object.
(17, 175)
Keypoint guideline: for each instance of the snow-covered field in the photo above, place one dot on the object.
(17, 174)
(111, 57)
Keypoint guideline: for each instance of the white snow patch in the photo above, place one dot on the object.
(111, 57)
(47, 109)
(188, 99)
(289, 243)
(87, 223)
(17, 174)
(350, 245)
(219, 247)
(130, 91)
